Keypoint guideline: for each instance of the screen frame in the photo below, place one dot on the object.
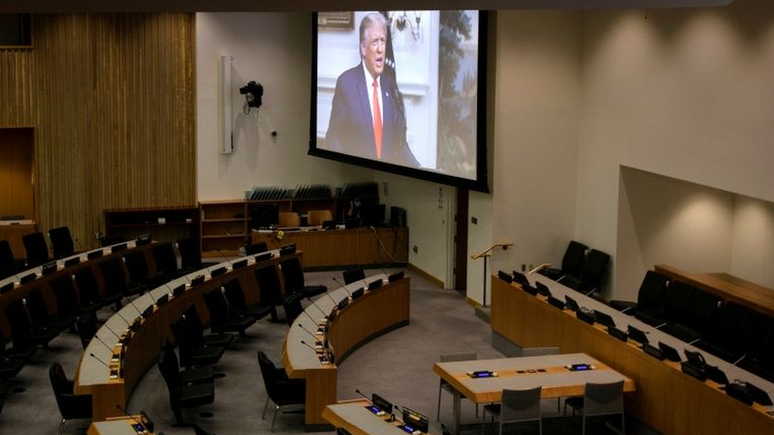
(480, 184)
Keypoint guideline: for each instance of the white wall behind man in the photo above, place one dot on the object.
(274, 50)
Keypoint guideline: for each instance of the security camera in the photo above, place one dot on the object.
(253, 93)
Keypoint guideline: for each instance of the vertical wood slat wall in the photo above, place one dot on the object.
(112, 99)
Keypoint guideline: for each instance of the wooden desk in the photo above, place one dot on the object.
(141, 353)
(556, 380)
(666, 399)
(13, 231)
(726, 286)
(357, 420)
(115, 426)
(336, 248)
(375, 313)
(43, 282)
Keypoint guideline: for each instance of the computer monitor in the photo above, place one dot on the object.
(264, 216)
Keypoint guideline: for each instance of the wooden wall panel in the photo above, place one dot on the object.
(16, 149)
(112, 100)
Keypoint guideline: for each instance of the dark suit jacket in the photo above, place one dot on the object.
(351, 129)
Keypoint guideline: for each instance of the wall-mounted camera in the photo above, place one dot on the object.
(253, 93)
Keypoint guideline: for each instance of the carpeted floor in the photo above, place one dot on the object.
(397, 365)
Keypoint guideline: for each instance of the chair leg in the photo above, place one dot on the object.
(276, 408)
(265, 407)
(180, 421)
(438, 414)
(583, 431)
(61, 426)
(623, 424)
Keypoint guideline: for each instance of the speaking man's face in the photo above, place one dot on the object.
(372, 49)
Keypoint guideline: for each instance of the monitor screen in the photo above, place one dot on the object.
(403, 92)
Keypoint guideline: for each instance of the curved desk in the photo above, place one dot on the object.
(353, 416)
(140, 352)
(666, 399)
(43, 282)
(376, 312)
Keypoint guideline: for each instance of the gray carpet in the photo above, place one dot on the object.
(397, 365)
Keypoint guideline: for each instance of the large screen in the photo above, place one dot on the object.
(402, 91)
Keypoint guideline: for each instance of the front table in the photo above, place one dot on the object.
(548, 371)
(353, 416)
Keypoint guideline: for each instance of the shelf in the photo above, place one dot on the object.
(224, 236)
(151, 224)
(207, 221)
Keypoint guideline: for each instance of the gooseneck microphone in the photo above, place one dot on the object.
(111, 330)
(308, 332)
(119, 315)
(366, 397)
(104, 344)
(309, 346)
(100, 361)
(126, 413)
(340, 285)
(331, 297)
(150, 293)
(318, 308)
(131, 302)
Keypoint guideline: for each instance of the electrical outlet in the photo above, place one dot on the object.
(474, 220)
(415, 249)
(523, 267)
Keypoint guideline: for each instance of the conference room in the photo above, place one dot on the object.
(606, 126)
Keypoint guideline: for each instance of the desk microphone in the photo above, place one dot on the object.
(223, 256)
(310, 317)
(104, 344)
(111, 330)
(331, 297)
(131, 302)
(119, 315)
(309, 332)
(345, 288)
(100, 361)
(310, 347)
(366, 397)
(126, 413)
(152, 298)
(318, 308)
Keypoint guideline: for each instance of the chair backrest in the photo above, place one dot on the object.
(61, 242)
(185, 343)
(37, 307)
(520, 405)
(7, 261)
(454, 357)
(65, 293)
(352, 275)
(194, 323)
(235, 295)
(293, 308)
(572, 261)
(256, 248)
(317, 217)
(594, 267)
(87, 285)
(137, 266)
(166, 260)
(603, 399)
(730, 321)
(701, 308)
(757, 330)
(289, 219)
(293, 275)
(190, 253)
(113, 275)
(268, 283)
(171, 374)
(61, 386)
(651, 293)
(217, 307)
(676, 300)
(17, 318)
(37, 250)
(269, 373)
(87, 328)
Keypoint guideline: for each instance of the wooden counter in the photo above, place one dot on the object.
(13, 231)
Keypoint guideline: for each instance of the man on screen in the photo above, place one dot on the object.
(367, 117)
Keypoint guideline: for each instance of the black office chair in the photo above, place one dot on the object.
(71, 406)
(294, 279)
(649, 297)
(22, 331)
(695, 322)
(237, 301)
(222, 319)
(196, 330)
(352, 275)
(181, 395)
(270, 288)
(117, 286)
(88, 288)
(256, 248)
(139, 272)
(39, 316)
(61, 242)
(87, 328)
(282, 391)
(293, 308)
(8, 264)
(592, 273)
(166, 260)
(67, 301)
(190, 254)
(10, 366)
(194, 375)
(724, 338)
(599, 400)
(19, 350)
(572, 262)
(192, 354)
(37, 250)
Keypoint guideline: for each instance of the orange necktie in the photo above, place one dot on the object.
(377, 121)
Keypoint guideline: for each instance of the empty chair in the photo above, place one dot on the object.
(20, 350)
(280, 390)
(196, 330)
(194, 375)
(183, 395)
(572, 262)
(676, 299)
(166, 260)
(71, 407)
(11, 363)
(293, 308)
(88, 288)
(270, 288)
(67, 300)
(37, 250)
(61, 242)
(192, 354)
(190, 254)
(599, 400)
(221, 318)
(289, 219)
(592, 273)
(256, 248)
(316, 218)
(517, 406)
(294, 279)
(8, 264)
(649, 296)
(39, 314)
(139, 273)
(87, 328)
(723, 338)
(22, 332)
(701, 307)
(354, 274)
(117, 286)
(237, 302)
(444, 386)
